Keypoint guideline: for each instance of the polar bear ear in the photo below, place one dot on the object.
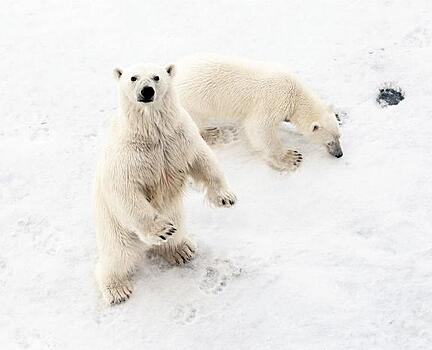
(314, 126)
(170, 70)
(117, 73)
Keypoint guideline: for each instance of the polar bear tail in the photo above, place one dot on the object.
(217, 135)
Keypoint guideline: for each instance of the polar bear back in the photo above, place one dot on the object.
(225, 87)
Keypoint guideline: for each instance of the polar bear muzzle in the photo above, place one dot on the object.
(334, 148)
(146, 95)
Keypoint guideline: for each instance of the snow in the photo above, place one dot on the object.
(337, 255)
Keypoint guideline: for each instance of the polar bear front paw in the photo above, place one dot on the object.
(223, 198)
(117, 292)
(289, 160)
(163, 231)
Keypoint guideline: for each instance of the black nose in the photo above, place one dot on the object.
(338, 155)
(147, 93)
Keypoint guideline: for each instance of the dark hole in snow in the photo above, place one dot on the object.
(390, 96)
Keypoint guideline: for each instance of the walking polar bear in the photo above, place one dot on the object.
(259, 97)
(153, 146)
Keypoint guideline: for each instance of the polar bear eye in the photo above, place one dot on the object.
(315, 128)
(134, 78)
(156, 78)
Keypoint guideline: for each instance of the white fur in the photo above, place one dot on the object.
(259, 97)
(151, 149)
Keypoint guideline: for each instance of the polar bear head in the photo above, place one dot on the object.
(144, 84)
(321, 126)
(325, 130)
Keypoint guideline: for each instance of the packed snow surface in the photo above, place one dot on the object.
(337, 255)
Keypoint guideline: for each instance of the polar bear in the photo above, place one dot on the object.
(259, 97)
(152, 147)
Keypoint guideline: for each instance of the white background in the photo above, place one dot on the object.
(337, 255)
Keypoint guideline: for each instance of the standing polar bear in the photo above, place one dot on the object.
(259, 97)
(153, 146)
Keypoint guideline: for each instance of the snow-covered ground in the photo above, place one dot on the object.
(337, 255)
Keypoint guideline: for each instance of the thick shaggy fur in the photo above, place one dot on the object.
(258, 97)
(152, 148)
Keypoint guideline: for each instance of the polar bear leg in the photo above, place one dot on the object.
(205, 170)
(262, 134)
(119, 253)
(180, 249)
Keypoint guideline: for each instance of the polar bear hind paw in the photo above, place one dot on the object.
(220, 135)
(117, 292)
(179, 254)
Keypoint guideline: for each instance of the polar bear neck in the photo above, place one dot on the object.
(143, 118)
(308, 108)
